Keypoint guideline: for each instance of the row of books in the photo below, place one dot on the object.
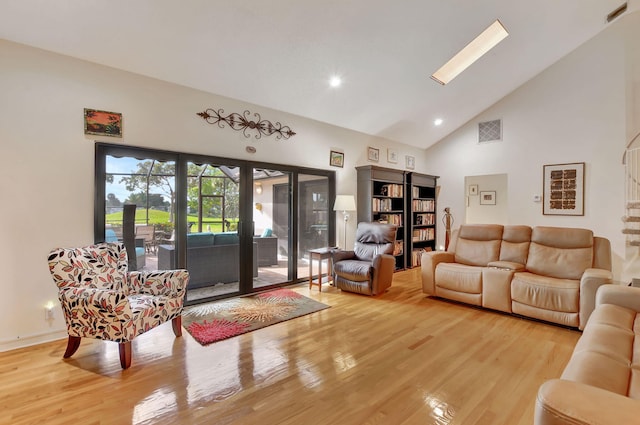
(382, 205)
(423, 205)
(428, 219)
(427, 234)
(392, 190)
(416, 256)
(398, 247)
(391, 219)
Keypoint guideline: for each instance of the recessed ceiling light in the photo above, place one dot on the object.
(335, 81)
(473, 51)
(437, 121)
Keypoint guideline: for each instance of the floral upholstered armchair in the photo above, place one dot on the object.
(101, 299)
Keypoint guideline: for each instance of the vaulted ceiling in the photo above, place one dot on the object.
(281, 53)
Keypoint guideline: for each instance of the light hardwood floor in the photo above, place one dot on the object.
(398, 358)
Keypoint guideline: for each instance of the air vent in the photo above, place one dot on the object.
(619, 11)
(489, 131)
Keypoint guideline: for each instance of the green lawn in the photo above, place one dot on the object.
(161, 218)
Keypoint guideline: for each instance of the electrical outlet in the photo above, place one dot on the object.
(48, 313)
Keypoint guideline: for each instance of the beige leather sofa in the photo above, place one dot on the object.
(601, 382)
(546, 273)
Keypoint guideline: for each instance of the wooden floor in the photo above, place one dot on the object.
(399, 358)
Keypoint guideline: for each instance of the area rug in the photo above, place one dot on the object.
(219, 320)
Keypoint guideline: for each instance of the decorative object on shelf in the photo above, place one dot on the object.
(563, 189)
(102, 123)
(345, 203)
(373, 154)
(336, 159)
(241, 122)
(410, 162)
(392, 156)
(473, 190)
(488, 197)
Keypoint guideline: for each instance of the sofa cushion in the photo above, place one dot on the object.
(515, 244)
(226, 238)
(199, 239)
(562, 253)
(355, 270)
(561, 295)
(477, 245)
(460, 278)
(607, 355)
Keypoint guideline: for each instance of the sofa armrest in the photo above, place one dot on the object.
(171, 283)
(384, 264)
(624, 296)
(430, 261)
(339, 255)
(105, 306)
(591, 280)
(562, 402)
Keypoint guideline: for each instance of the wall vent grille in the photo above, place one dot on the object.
(489, 131)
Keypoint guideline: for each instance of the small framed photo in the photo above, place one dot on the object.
(102, 123)
(473, 190)
(336, 159)
(488, 198)
(410, 162)
(392, 156)
(373, 154)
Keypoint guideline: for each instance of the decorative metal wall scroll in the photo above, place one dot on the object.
(243, 123)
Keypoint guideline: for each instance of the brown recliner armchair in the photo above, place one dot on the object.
(368, 269)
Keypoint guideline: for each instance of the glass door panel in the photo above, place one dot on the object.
(212, 240)
(272, 227)
(149, 185)
(313, 218)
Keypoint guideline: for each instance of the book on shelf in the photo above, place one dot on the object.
(427, 234)
(416, 256)
(392, 190)
(423, 205)
(381, 205)
(425, 219)
(398, 247)
(391, 219)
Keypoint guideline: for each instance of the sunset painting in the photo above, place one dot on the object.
(102, 123)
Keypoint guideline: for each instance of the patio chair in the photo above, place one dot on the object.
(101, 299)
(147, 233)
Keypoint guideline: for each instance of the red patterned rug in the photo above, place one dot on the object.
(219, 320)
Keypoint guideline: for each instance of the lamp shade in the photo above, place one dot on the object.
(344, 203)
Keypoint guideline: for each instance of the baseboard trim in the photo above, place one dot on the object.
(30, 340)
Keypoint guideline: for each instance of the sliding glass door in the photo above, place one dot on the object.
(237, 226)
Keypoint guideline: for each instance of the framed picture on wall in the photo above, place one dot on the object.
(373, 154)
(102, 123)
(488, 197)
(392, 156)
(563, 189)
(336, 159)
(410, 162)
(473, 190)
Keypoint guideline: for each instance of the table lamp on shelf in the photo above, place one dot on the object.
(345, 203)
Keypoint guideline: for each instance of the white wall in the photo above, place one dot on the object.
(479, 213)
(47, 177)
(574, 111)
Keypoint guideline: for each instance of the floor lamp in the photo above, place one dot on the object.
(345, 203)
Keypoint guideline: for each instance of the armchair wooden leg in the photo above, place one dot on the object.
(176, 322)
(125, 354)
(72, 346)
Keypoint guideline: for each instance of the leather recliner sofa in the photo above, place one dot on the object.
(546, 273)
(601, 382)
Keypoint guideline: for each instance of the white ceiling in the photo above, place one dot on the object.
(281, 53)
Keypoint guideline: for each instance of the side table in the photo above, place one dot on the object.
(319, 254)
